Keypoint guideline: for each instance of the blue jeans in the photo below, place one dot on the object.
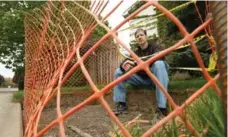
(158, 68)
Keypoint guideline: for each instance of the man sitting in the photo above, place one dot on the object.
(159, 68)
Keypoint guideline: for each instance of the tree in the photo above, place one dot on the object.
(18, 77)
(12, 31)
(169, 33)
(2, 80)
(12, 34)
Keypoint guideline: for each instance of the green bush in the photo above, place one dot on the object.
(181, 76)
(169, 34)
(18, 97)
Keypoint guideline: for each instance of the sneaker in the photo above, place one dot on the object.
(120, 109)
(164, 111)
(159, 114)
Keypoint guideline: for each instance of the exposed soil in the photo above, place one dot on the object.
(93, 119)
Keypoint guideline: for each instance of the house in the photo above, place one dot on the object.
(142, 19)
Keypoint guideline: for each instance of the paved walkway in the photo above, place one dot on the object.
(10, 115)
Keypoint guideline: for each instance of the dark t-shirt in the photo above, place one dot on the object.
(151, 49)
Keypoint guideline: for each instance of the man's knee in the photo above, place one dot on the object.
(118, 73)
(158, 65)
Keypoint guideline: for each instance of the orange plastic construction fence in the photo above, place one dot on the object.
(55, 36)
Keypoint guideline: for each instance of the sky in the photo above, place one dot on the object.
(113, 20)
(6, 73)
(117, 17)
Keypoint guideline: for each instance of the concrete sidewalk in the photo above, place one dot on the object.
(10, 115)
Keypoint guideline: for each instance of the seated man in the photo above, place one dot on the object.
(159, 68)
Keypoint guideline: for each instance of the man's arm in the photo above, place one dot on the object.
(127, 64)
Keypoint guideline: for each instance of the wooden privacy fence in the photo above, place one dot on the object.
(101, 65)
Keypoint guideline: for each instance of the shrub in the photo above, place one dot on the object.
(181, 76)
(18, 97)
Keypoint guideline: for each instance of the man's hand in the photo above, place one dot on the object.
(209, 15)
(127, 65)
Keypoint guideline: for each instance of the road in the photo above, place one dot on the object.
(10, 114)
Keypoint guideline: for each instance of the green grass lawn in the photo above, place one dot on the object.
(174, 85)
(186, 84)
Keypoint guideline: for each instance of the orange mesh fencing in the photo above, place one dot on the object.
(60, 50)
